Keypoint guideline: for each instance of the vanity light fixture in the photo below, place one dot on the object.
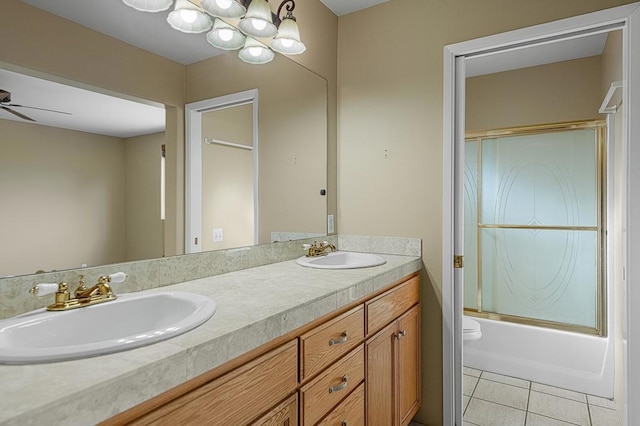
(224, 8)
(225, 36)
(149, 5)
(288, 39)
(256, 21)
(189, 18)
(255, 52)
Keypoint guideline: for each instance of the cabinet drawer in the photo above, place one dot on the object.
(350, 412)
(237, 397)
(323, 393)
(329, 341)
(390, 305)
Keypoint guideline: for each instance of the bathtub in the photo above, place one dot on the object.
(572, 361)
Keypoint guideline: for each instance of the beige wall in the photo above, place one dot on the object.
(66, 51)
(228, 178)
(62, 196)
(143, 228)
(562, 91)
(390, 62)
(319, 31)
(292, 136)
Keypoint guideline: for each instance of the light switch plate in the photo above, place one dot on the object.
(217, 235)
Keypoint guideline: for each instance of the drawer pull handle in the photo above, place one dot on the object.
(339, 341)
(400, 334)
(339, 387)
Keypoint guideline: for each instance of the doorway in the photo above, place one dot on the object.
(626, 18)
(222, 172)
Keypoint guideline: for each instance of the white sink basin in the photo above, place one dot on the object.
(130, 321)
(342, 260)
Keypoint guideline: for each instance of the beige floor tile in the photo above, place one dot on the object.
(465, 402)
(534, 419)
(485, 413)
(559, 408)
(601, 402)
(603, 416)
(500, 393)
(468, 384)
(471, 371)
(513, 381)
(552, 390)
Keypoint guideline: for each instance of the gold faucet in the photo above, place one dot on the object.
(99, 293)
(313, 250)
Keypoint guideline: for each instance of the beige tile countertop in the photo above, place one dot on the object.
(255, 305)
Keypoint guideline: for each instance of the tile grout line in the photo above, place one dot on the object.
(530, 390)
(498, 403)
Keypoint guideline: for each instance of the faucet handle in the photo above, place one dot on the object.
(44, 289)
(118, 277)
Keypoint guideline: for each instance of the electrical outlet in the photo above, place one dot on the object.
(217, 235)
(330, 228)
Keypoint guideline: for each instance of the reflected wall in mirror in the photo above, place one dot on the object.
(229, 167)
(60, 50)
(85, 192)
(289, 152)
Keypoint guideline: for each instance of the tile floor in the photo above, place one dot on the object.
(494, 400)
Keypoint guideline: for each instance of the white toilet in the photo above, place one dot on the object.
(470, 329)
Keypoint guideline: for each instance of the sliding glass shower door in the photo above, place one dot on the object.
(533, 226)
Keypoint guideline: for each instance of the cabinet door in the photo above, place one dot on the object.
(285, 414)
(408, 364)
(380, 380)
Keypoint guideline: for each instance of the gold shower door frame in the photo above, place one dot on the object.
(600, 133)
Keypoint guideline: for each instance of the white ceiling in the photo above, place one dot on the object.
(342, 7)
(90, 111)
(530, 56)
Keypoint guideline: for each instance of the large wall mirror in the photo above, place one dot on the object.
(79, 179)
(65, 207)
(262, 181)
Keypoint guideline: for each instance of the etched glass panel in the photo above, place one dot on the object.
(470, 271)
(538, 256)
(542, 274)
(543, 179)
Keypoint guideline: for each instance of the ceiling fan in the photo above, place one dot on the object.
(5, 103)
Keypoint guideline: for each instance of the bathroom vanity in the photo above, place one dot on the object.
(288, 345)
(335, 369)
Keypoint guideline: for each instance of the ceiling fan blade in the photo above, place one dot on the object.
(24, 117)
(41, 109)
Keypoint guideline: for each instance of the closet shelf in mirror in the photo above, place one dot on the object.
(208, 141)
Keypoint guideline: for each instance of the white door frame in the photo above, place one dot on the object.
(193, 170)
(453, 136)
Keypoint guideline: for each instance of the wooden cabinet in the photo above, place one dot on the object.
(349, 412)
(408, 365)
(333, 385)
(393, 357)
(329, 341)
(285, 414)
(324, 373)
(259, 384)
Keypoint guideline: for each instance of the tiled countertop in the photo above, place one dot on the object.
(255, 306)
